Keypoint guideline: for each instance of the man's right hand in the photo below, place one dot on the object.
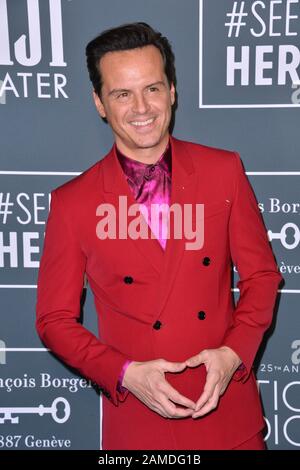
(146, 380)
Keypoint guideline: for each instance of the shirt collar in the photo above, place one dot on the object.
(137, 171)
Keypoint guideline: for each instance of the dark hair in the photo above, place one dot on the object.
(124, 37)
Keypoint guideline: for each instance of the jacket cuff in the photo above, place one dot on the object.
(109, 387)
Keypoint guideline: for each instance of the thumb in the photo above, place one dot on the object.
(174, 366)
(194, 361)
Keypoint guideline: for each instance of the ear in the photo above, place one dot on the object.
(172, 93)
(99, 105)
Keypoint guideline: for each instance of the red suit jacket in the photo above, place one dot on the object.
(171, 287)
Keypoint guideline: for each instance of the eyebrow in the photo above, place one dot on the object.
(122, 90)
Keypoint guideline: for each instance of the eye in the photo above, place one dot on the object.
(153, 89)
(124, 94)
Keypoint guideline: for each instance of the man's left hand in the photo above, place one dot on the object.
(220, 365)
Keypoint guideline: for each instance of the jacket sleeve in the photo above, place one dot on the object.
(59, 290)
(259, 277)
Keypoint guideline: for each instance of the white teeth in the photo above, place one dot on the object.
(142, 123)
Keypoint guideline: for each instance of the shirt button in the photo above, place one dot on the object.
(201, 315)
(206, 261)
(128, 280)
(152, 168)
(157, 325)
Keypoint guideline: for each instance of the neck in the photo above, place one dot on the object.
(144, 155)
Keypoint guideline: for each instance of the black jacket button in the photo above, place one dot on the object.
(201, 315)
(206, 261)
(128, 280)
(157, 325)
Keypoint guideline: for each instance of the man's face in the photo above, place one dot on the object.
(136, 99)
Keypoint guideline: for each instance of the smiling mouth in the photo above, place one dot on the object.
(142, 123)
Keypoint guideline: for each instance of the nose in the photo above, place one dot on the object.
(140, 104)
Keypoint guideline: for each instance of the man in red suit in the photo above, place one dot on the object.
(174, 354)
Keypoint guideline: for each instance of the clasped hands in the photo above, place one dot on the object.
(146, 380)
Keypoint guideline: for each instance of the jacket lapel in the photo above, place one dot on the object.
(114, 186)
